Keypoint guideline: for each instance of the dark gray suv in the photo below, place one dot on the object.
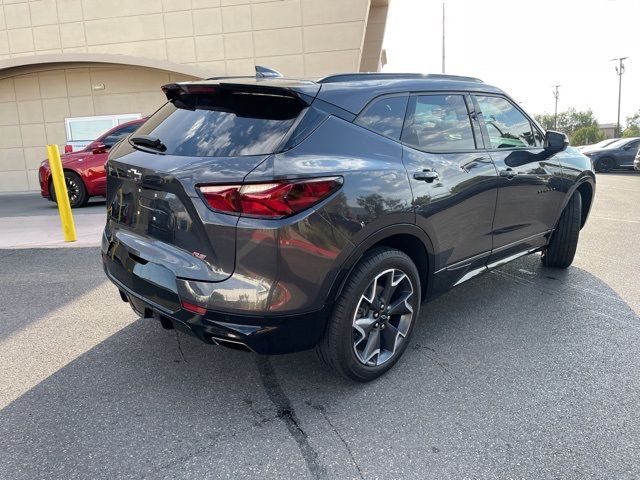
(619, 154)
(276, 215)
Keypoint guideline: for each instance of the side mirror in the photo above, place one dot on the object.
(555, 141)
(98, 147)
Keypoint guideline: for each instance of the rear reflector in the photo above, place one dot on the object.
(269, 200)
(194, 308)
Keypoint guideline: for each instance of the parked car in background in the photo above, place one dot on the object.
(636, 162)
(84, 171)
(619, 154)
(597, 146)
(275, 215)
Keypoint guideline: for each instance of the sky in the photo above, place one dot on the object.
(525, 47)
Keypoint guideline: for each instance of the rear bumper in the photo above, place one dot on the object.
(154, 291)
(266, 335)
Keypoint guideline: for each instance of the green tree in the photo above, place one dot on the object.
(568, 121)
(633, 126)
(587, 135)
(545, 119)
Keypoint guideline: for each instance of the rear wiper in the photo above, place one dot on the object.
(147, 141)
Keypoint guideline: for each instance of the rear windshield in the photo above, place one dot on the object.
(224, 124)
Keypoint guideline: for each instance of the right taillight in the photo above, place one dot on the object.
(269, 200)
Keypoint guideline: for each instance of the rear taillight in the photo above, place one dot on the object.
(272, 200)
(191, 307)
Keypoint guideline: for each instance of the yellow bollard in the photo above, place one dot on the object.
(62, 197)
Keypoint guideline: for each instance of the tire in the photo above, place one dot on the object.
(360, 321)
(78, 196)
(605, 165)
(564, 240)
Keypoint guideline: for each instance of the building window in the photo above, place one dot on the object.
(81, 131)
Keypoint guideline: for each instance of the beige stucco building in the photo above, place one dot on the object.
(64, 59)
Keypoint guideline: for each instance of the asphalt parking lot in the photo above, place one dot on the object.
(525, 372)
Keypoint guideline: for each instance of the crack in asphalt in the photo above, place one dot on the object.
(260, 418)
(427, 352)
(323, 411)
(187, 456)
(287, 414)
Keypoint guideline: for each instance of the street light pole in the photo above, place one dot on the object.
(556, 94)
(619, 72)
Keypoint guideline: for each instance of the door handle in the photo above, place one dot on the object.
(509, 173)
(426, 175)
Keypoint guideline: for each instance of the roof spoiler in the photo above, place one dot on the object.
(175, 90)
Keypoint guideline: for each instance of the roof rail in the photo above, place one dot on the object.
(462, 78)
(354, 77)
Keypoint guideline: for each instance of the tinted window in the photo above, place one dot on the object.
(223, 124)
(438, 123)
(618, 144)
(385, 116)
(506, 125)
(113, 138)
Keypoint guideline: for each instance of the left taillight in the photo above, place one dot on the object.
(269, 200)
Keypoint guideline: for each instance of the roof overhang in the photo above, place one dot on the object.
(8, 66)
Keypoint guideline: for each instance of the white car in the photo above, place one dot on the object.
(597, 146)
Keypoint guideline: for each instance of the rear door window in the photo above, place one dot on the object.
(438, 123)
(385, 116)
(506, 125)
(223, 124)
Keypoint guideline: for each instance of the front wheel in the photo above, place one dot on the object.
(374, 316)
(564, 240)
(605, 165)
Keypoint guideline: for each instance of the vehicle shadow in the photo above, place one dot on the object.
(526, 357)
(40, 280)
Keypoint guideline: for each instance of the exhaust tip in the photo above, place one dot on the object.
(231, 344)
(123, 296)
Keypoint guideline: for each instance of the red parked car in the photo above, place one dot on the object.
(84, 170)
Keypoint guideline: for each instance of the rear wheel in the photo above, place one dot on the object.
(605, 164)
(564, 240)
(373, 317)
(78, 196)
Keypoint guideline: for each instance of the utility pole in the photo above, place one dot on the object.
(442, 37)
(556, 94)
(619, 72)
